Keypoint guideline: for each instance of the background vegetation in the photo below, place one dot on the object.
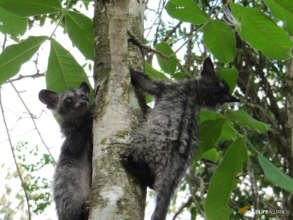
(244, 164)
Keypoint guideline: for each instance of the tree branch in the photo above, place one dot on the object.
(143, 46)
(253, 184)
(150, 49)
(184, 205)
(36, 75)
(34, 122)
(199, 184)
(160, 11)
(268, 89)
(14, 159)
(189, 58)
(171, 32)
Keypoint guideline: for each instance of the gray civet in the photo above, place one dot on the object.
(166, 142)
(72, 177)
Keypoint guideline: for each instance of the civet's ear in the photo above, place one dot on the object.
(48, 97)
(142, 81)
(208, 68)
(85, 87)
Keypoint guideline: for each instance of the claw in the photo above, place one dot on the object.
(86, 207)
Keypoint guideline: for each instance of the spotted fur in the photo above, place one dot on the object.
(165, 144)
(73, 172)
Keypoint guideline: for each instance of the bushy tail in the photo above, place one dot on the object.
(164, 195)
(68, 209)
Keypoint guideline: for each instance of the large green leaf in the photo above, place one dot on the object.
(228, 132)
(12, 24)
(209, 133)
(244, 119)
(15, 55)
(223, 182)
(186, 10)
(282, 9)
(153, 73)
(211, 155)
(81, 31)
(31, 7)
(220, 40)
(206, 114)
(261, 32)
(167, 64)
(229, 76)
(63, 71)
(274, 175)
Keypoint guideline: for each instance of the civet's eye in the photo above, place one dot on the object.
(84, 97)
(68, 101)
(222, 84)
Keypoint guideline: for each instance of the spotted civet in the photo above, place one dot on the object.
(165, 144)
(72, 177)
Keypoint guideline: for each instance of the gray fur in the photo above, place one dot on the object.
(166, 142)
(73, 172)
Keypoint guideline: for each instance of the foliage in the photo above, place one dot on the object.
(249, 41)
(38, 187)
(224, 179)
(79, 28)
(32, 163)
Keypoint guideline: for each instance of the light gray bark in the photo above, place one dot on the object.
(115, 195)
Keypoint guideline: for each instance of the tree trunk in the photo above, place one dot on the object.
(115, 194)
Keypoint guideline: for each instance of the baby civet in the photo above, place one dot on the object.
(73, 172)
(166, 142)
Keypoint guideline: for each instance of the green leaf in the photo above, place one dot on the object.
(180, 75)
(282, 9)
(275, 175)
(186, 10)
(63, 70)
(261, 32)
(211, 155)
(220, 40)
(27, 8)
(167, 65)
(205, 115)
(153, 73)
(228, 132)
(229, 76)
(15, 55)
(209, 133)
(224, 181)
(242, 118)
(81, 31)
(12, 24)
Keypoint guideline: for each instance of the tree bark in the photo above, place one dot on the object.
(115, 194)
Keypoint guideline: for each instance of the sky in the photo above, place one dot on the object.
(20, 124)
